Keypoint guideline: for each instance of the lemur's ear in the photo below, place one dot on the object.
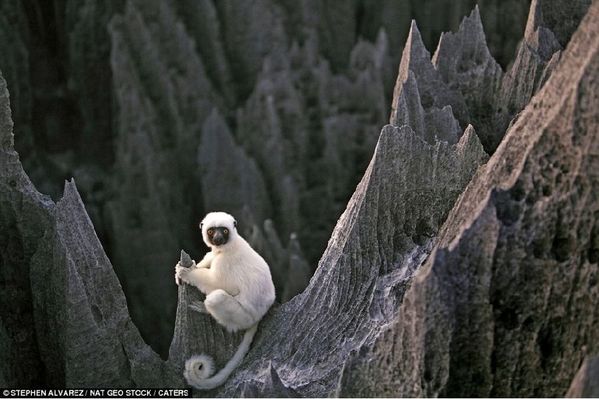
(201, 224)
(234, 223)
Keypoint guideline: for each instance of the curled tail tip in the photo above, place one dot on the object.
(198, 367)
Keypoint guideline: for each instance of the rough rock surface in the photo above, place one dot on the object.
(416, 294)
(24, 214)
(586, 381)
(420, 88)
(358, 276)
(84, 332)
(116, 93)
(465, 63)
(506, 305)
(64, 317)
(546, 34)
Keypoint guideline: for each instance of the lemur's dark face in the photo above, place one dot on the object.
(218, 235)
(218, 229)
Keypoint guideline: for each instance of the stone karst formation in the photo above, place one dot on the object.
(163, 111)
(464, 264)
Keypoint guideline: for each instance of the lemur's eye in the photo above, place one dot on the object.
(226, 231)
(210, 231)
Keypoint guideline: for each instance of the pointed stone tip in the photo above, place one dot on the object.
(185, 259)
(414, 55)
(71, 199)
(535, 19)
(414, 49)
(470, 143)
(70, 189)
(469, 134)
(414, 33)
(473, 19)
(475, 15)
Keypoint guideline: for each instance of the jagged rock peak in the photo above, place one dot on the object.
(386, 230)
(78, 302)
(466, 64)
(433, 91)
(414, 55)
(468, 44)
(407, 109)
(535, 19)
(561, 17)
(474, 19)
(480, 317)
(469, 142)
(537, 56)
(70, 194)
(537, 35)
(470, 29)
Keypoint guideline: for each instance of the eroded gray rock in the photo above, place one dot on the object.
(64, 319)
(24, 216)
(536, 58)
(364, 309)
(466, 65)
(506, 303)
(118, 93)
(365, 266)
(433, 92)
(84, 332)
(586, 381)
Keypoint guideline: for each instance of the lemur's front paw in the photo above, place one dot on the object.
(181, 274)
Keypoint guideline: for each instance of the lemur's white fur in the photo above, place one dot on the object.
(239, 291)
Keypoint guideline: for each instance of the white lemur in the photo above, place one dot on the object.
(239, 291)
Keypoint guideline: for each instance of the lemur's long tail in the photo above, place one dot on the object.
(199, 367)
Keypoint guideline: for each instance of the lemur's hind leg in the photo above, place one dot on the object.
(228, 311)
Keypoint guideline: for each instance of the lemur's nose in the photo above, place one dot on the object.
(218, 238)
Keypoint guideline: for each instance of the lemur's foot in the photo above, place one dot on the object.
(198, 306)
